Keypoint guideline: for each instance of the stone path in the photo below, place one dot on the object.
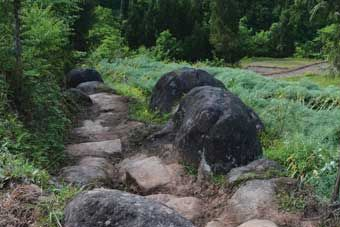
(98, 159)
(98, 141)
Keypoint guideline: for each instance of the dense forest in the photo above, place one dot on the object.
(132, 43)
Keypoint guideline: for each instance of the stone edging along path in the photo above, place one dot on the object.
(98, 158)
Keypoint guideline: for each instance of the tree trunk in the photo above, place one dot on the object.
(16, 80)
(124, 7)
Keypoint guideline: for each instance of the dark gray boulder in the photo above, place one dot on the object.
(215, 124)
(112, 208)
(78, 76)
(173, 85)
(93, 87)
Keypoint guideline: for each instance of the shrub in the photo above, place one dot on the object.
(104, 37)
(167, 47)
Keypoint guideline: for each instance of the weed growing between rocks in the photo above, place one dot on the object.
(52, 207)
(139, 98)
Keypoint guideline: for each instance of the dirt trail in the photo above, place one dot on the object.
(108, 150)
(281, 72)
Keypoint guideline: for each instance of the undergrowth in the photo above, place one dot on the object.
(139, 106)
(52, 208)
(33, 145)
(301, 119)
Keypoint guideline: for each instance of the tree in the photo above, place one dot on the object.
(224, 29)
(124, 8)
(331, 10)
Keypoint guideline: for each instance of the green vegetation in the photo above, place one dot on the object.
(133, 43)
(321, 80)
(35, 116)
(290, 202)
(52, 208)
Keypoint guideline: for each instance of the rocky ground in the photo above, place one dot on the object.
(136, 175)
(135, 179)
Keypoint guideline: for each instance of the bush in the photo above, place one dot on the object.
(104, 37)
(111, 47)
(44, 53)
(167, 47)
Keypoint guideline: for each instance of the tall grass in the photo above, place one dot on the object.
(302, 120)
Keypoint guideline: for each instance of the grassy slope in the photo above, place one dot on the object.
(321, 80)
(301, 119)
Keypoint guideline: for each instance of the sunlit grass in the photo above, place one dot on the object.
(321, 80)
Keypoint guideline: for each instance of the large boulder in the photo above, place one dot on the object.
(173, 85)
(89, 171)
(112, 208)
(78, 76)
(214, 124)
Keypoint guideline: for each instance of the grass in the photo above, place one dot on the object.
(277, 62)
(50, 210)
(139, 107)
(291, 202)
(52, 207)
(321, 80)
(30, 149)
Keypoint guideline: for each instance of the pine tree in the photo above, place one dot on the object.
(224, 29)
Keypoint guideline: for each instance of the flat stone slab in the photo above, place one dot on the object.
(258, 223)
(188, 207)
(214, 224)
(93, 131)
(253, 200)
(148, 173)
(90, 171)
(90, 127)
(104, 149)
(109, 102)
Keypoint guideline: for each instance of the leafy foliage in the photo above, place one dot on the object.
(167, 47)
(104, 37)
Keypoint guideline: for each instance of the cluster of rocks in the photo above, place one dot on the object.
(212, 128)
(210, 123)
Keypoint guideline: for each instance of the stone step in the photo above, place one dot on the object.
(189, 207)
(151, 174)
(90, 171)
(109, 102)
(148, 173)
(104, 149)
(258, 223)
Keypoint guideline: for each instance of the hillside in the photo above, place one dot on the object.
(300, 119)
(144, 113)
